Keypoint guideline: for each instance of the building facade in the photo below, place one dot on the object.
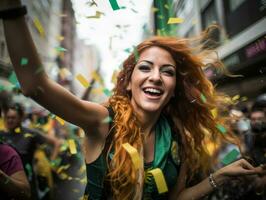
(241, 40)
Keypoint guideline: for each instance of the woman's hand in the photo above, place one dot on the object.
(4, 4)
(237, 169)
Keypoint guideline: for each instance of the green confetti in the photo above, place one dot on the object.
(13, 78)
(114, 4)
(203, 98)
(230, 157)
(136, 54)
(24, 61)
(107, 92)
(60, 49)
(2, 88)
(221, 128)
(29, 170)
(128, 50)
(107, 120)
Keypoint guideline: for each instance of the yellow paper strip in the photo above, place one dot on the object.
(214, 112)
(60, 120)
(133, 154)
(82, 80)
(72, 146)
(38, 26)
(96, 76)
(17, 130)
(159, 180)
(176, 20)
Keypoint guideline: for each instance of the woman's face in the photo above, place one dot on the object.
(153, 80)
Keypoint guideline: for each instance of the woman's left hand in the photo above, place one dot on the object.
(236, 169)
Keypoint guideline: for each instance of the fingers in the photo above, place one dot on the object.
(246, 165)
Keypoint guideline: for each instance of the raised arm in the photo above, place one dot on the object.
(36, 84)
(236, 169)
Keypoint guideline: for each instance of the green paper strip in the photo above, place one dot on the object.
(107, 120)
(203, 98)
(24, 61)
(107, 92)
(114, 4)
(60, 49)
(136, 54)
(13, 78)
(221, 128)
(230, 157)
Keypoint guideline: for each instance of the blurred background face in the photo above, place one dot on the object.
(12, 119)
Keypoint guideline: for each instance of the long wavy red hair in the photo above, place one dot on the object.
(189, 111)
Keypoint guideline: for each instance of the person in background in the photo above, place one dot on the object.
(26, 141)
(13, 180)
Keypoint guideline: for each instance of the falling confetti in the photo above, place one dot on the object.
(13, 78)
(203, 98)
(96, 16)
(133, 154)
(60, 49)
(221, 128)
(136, 54)
(107, 92)
(72, 146)
(38, 26)
(23, 61)
(159, 180)
(60, 120)
(83, 80)
(236, 97)
(230, 157)
(176, 20)
(114, 4)
(107, 120)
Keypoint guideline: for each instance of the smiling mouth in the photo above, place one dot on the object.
(153, 92)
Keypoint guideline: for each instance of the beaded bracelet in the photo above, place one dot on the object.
(13, 13)
(212, 182)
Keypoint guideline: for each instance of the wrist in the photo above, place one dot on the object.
(219, 178)
(9, 4)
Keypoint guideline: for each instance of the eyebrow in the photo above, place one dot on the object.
(165, 65)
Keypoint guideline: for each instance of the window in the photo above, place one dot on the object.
(234, 4)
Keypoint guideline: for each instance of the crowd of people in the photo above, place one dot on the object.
(169, 133)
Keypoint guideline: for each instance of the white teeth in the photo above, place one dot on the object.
(152, 90)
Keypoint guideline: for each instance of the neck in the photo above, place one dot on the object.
(147, 121)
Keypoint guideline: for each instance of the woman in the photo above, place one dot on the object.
(13, 180)
(156, 107)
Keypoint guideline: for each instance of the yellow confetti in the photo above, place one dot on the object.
(176, 20)
(60, 120)
(60, 38)
(28, 135)
(236, 97)
(96, 76)
(244, 98)
(214, 112)
(133, 154)
(83, 80)
(72, 146)
(97, 90)
(39, 26)
(153, 9)
(159, 180)
(17, 130)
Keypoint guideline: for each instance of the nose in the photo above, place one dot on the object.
(155, 76)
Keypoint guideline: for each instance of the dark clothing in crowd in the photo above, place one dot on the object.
(10, 163)
(26, 142)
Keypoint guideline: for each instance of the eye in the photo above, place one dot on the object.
(144, 68)
(168, 71)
